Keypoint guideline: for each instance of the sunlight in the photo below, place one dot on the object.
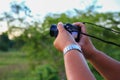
(3, 27)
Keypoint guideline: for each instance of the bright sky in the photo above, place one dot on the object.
(44, 7)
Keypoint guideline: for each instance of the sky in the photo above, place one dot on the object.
(44, 7)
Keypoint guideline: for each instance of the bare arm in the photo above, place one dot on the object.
(106, 66)
(75, 64)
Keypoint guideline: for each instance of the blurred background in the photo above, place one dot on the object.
(26, 48)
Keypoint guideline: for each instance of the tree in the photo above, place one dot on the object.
(106, 20)
(4, 42)
(39, 45)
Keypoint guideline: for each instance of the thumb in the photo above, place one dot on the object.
(60, 27)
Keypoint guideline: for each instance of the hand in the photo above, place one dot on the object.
(64, 38)
(85, 43)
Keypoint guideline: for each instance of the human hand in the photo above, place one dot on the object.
(85, 43)
(64, 38)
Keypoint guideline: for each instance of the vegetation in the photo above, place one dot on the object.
(32, 56)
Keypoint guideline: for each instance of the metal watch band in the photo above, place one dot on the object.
(71, 47)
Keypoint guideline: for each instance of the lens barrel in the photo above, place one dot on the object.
(53, 30)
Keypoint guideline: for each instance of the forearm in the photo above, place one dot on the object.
(108, 67)
(76, 66)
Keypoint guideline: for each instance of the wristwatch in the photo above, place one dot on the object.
(72, 47)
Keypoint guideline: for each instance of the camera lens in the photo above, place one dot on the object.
(53, 30)
(72, 29)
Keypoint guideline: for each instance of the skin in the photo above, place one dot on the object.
(105, 65)
(75, 63)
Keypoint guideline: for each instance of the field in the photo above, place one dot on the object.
(14, 65)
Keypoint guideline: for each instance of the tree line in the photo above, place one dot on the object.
(35, 40)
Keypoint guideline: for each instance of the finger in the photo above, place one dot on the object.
(83, 28)
(60, 27)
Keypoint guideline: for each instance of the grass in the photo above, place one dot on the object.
(14, 65)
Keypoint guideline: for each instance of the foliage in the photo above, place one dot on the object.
(46, 72)
(107, 20)
(44, 60)
(4, 42)
(38, 45)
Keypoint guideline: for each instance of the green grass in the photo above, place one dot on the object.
(14, 65)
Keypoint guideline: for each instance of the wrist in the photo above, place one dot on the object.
(92, 54)
(68, 43)
(72, 47)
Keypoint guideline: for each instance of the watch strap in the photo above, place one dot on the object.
(72, 47)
